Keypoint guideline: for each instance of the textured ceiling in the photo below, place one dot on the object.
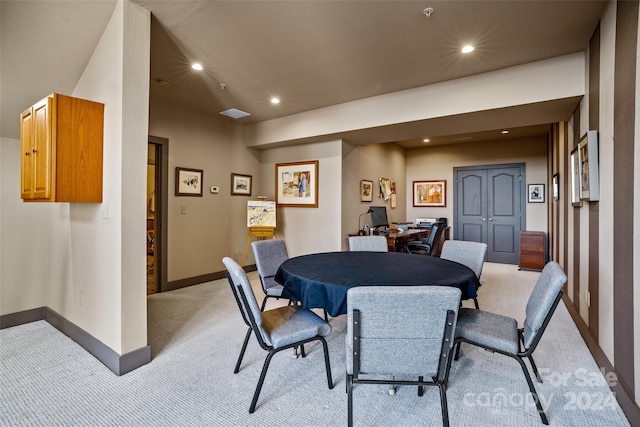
(309, 53)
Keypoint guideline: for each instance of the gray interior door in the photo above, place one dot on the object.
(490, 208)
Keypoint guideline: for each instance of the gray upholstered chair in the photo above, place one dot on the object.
(471, 254)
(368, 243)
(269, 254)
(500, 334)
(425, 246)
(388, 345)
(290, 326)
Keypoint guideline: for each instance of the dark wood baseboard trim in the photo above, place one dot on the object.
(118, 364)
(20, 318)
(623, 396)
(196, 280)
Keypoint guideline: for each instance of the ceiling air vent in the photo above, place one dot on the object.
(234, 113)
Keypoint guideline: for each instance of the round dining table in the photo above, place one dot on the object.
(322, 280)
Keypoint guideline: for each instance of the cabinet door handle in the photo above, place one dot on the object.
(484, 219)
(34, 151)
(490, 219)
(27, 153)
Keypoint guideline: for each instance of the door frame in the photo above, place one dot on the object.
(162, 209)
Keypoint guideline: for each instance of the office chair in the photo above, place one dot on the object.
(471, 254)
(425, 246)
(269, 254)
(384, 343)
(500, 334)
(368, 243)
(285, 327)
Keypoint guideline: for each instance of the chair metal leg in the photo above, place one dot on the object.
(535, 368)
(244, 347)
(264, 303)
(421, 387)
(263, 374)
(443, 403)
(475, 301)
(533, 391)
(327, 364)
(349, 401)
(457, 353)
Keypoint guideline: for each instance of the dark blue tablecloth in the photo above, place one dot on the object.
(322, 280)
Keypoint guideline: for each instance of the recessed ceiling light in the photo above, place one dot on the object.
(426, 140)
(275, 100)
(164, 83)
(468, 49)
(197, 67)
(234, 113)
(505, 132)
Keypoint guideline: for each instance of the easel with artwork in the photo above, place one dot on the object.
(261, 220)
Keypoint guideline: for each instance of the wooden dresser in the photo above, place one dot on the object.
(533, 254)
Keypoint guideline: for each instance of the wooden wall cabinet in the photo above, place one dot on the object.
(61, 139)
(533, 254)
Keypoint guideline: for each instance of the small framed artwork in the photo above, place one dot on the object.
(188, 182)
(430, 193)
(588, 154)
(297, 184)
(535, 193)
(556, 186)
(240, 185)
(575, 178)
(366, 191)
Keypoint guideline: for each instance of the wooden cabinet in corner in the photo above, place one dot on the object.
(61, 160)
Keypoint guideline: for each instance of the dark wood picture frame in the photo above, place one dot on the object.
(297, 184)
(189, 182)
(241, 184)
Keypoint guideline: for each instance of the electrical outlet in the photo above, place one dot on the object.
(183, 209)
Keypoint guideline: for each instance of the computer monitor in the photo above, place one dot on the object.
(379, 216)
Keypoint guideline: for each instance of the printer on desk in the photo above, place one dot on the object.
(425, 222)
(428, 222)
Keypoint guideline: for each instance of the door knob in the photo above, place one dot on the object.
(484, 219)
(490, 219)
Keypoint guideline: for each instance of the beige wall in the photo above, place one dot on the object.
(214, 225)
(371, 162)
(308, 230)
(437, 163)
(63, 249)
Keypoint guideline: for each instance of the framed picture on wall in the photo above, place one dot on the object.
(575, 178)
(588, 155)
(430, 193)
(240, 184)
(188, 182)
(297, 184)
(556, 186)
(535, 193)
(366, 190)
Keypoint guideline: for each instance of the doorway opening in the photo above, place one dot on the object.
(157, 185)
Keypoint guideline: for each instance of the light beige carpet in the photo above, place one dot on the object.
(195, 336)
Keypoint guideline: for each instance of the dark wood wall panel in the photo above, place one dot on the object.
(623, 152)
